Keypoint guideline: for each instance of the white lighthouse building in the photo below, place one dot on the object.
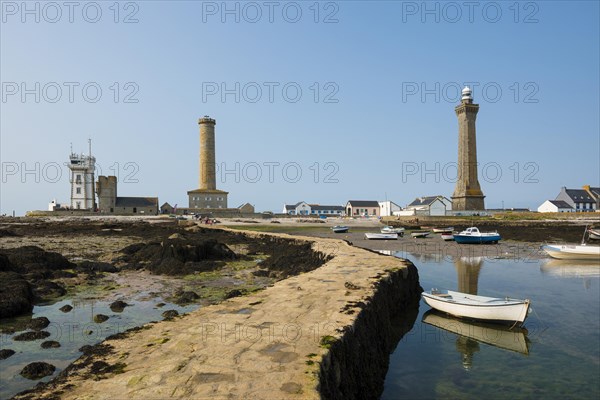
(82, 180)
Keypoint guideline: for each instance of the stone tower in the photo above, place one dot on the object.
(208, 179)
(207, 195)
(467, 193)
(106, 187)
(82, 180)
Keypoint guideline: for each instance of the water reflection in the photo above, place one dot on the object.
(584, 269)
(471, 333)
(467, 269)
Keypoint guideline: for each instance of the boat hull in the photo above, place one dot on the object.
(419, 234)
(447, 237)
(572, 252)
(463, 239)
(594, 234)
(340, 229)
(381, 236)
(482, 308)
(443, 230)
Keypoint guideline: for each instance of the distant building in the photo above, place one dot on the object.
(82, 180)
(555, 206)
(363, 208)
(388, 208)
(429, 205)
(582, 200)
(303, 208)
(110, 203)
(56, 206)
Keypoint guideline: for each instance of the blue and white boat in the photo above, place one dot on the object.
(472, 235)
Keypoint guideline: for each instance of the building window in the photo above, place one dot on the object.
(78, 178)
(134, 210)
(78, 190)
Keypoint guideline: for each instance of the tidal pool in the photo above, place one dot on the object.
(72, 330)
(556, 356)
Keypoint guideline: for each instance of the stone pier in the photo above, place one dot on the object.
(322, 334)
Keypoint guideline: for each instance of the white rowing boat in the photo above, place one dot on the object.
(381, 236)
(573, 252)
(483, 308)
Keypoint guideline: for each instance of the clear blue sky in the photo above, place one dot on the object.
(393, 68)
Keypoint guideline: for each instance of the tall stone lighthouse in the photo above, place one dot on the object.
(207, 195)
(467, 193)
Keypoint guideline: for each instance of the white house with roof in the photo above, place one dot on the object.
(363, 208)
(553, 206)
(388, 208)
(303, 208)
(428, 205)
(586, 199)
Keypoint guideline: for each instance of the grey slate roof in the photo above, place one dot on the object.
(322, 208)
(560, 203)
(423, 201)
(363, 203)
(136, 202)
(580, 195)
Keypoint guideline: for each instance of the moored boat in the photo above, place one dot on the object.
(572, 251)
(391, 229)
(381, 236)
(419, 234)
(594, 234)
(464, 305)
(340, 229)
(473, 235)
(449, 229)
(448, 237)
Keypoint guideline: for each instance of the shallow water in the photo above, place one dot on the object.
(556, 357)
(73, 330)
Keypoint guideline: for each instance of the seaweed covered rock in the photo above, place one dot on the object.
(177, 256)
(31, 335)
(16, 296)
(5, 353)
(37, 370)
(29, 258)
(37, 324)
(118, 306)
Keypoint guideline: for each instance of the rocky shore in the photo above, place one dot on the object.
(323, 296)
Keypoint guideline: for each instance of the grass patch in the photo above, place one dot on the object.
(327, 341)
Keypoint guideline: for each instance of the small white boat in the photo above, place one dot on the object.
(391, 229)
(594, 234)
(473, 235)
(419, 234)
(464, 305)
(500, 336)
(340, 229)
(381, 236)
(449, 229)
(448, 237)
(573, 252)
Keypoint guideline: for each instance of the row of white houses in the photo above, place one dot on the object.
(430, 205)
(586, 199)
